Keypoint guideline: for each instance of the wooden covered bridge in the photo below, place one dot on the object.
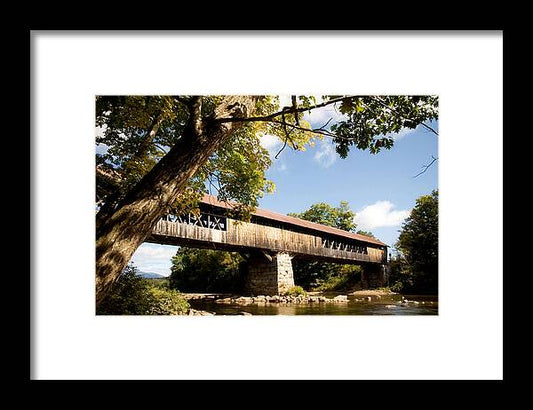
(270, 240)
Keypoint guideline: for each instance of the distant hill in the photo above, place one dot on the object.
(150, 275)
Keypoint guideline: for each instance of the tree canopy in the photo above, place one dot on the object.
(137, 131)
(418, 246)
(206, 270)
(341, 217)
(365, 233)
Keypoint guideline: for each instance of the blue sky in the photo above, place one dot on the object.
(380, 189)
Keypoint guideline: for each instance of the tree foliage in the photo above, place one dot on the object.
(341, 216)
(137, 131)
(134, 295)
(339, 277)
(206, 270)
(365, 233)
(372, 119)
(416, 268)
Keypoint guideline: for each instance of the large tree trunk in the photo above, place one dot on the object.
(118, 235)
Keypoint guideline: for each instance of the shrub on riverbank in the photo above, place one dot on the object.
(207, 270)
(295, 291)
(134, 295)
(166, 301)
(346, 278)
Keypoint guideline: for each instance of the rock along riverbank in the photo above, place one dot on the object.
(311, 297)
(264, 299)
(308, 298)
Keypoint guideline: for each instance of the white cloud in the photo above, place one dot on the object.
(271, 143)
(326, 154)
(155, 251)
(380, 214)
(154, 258)
(320, 116)
(284, 101)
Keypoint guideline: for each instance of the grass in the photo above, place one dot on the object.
(342, 282)
(334, 283)
(295, 291)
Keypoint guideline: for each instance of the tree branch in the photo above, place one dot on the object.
(287, 136)
(295, 107)
(324, 126)
(315, 130)
(195, 119)
(182, 99)
(161, 148)
(281, 150)
(284, 111)
(426, 167)
(150, 135)
(211, 184)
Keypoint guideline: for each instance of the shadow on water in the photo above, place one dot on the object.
(383, 305)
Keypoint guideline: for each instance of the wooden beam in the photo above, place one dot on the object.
(266, 255)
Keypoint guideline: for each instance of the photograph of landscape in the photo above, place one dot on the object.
(250, 205)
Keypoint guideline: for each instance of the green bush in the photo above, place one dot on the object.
(166, 301)
(207, 270)
(397, 287)
(345, 278)
(134, 295)
(295, 291)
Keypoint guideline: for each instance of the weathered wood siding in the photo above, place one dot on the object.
(249, 235)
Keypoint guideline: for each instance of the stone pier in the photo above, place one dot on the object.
(375, 276)
(269, 275)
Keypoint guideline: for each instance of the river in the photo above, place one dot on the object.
(378, 305)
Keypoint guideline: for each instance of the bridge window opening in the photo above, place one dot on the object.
(172, 218)
(343, 246)
(204, 220)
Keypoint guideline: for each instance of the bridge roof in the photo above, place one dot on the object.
(291, 220)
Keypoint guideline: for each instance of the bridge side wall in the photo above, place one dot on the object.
(246, 235)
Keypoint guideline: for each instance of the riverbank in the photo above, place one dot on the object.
(300, 299)
(308, 297)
